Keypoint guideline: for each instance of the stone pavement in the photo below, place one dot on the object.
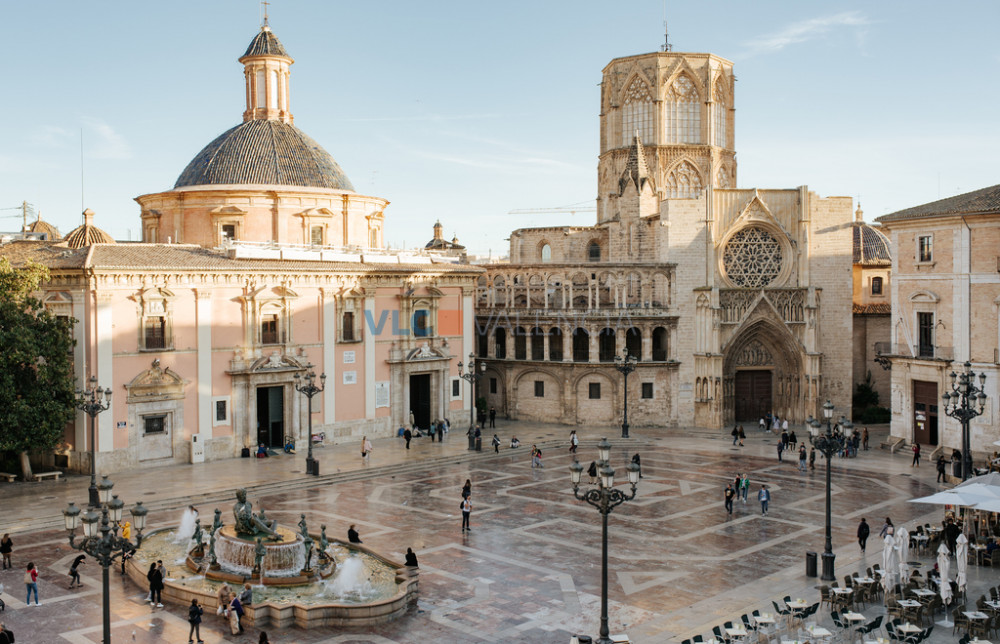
(530, 569)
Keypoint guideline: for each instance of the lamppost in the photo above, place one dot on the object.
(310, 389)
(102, 541)
(828, 444)
(93, 400)
(625, 364)
(605, 497)
(960, 403)
(472, 375)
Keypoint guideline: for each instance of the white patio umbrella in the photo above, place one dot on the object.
(990, 480)
(992, 505)
(944, 567)
(903, 548)
(889, 563)
(962, 559)
(957, 496)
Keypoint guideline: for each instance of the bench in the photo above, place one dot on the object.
(48, 475)
(9, 477)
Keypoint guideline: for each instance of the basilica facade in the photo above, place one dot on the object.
(736, 301)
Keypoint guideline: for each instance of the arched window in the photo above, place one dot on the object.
(876, 286)
(659, 344)
(500, 343)
(555, 344)
(684, 182)
(537, 344)
(546, 253)
(260, 86)
(633, 342)
(594, 252)
(720, 114)
(606, 345)
(520, 344)
(637, 112)
(683, 107)
(272, 90)
(581, 345)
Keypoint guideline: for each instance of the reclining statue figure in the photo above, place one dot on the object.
(249, 524)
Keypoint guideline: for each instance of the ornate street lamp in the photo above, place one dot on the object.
(625, 364)
(310, 389)
(605, 497)
(828, 444)
(960, 403)
(101, 540)
(471, 375)
(93, 400)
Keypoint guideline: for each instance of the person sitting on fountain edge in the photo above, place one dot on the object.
(352, 535)
(411, 558)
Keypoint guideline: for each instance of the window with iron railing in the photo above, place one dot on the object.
(155, 336)
(269, 329)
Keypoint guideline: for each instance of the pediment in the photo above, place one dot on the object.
(924, 296)
(155, 384)
(316, 213)
(228, 211)
(756, 212)
(425, 352)
(275, 361)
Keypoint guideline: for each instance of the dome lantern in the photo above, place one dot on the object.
(266, 70)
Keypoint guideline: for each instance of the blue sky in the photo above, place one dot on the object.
(462, 111)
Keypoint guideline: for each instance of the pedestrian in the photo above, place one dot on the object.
(864, 438)
(784, 425)
(413, 422)
(31, 582)
(467, 489)
(155, 577)
(366, 448)
(729, 494)
(432, 430)
(735, 434)
(592, 472)
(478, 435)
(744, 487)
(781, 446)
(784, 439)
(743, 435)
(411, 558)
(352, 535)
(762, 424)
(574, 442)
(916, 455)
(536, 457)
(812, 458)
(195, 612)
(466, 507)
(802, 457)
(793, 439)
(74, 574)
(246, 597)
(6, 635)
(764, 496)
(6, 547)
(407, 436)
(887, 529)
(636, 460)
(941, 465)
(863, 532)
(496, 443)
(235, 615)
(222, 598)
(493, 417)
(263, 638)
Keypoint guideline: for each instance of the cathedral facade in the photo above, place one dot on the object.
(736, 301)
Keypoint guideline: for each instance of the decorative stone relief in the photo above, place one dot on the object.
(754, 355)
(752, 258)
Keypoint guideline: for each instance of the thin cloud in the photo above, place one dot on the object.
(432, 118)
(51, 136)
(104, 142)
(806, 30)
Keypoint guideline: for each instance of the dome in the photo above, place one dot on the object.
(871, 246)
(87, 234)
(40, 226)
(268, 152)
(265, 43)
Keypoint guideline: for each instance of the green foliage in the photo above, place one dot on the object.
(874, 415)
(36, 364)
(481, 405)
(865, 402)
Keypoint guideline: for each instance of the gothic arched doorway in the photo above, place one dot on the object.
(763, 370)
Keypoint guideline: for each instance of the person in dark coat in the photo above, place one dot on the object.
(155, 577)
(407, 436)
(942, 464)
(493, 417)
(74, 573)
(863, 531)
(6, 635)
(194, 618)
(352, 535)
(467, 489)
(729, 494)
(411, 558)
(592, 472)
(951, 532)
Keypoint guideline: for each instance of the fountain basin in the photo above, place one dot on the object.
(309, 604)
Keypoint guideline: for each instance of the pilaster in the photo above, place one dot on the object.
(203, 316)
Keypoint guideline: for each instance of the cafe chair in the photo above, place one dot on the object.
(960, 620)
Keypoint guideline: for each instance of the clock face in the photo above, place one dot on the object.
(752, 258)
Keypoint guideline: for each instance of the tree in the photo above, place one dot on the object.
(36, 366)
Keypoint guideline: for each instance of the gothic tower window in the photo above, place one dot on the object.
(752, 258)
(594, 252)
(637, 113)
(684, 182)
(683, 107)
(720, 114)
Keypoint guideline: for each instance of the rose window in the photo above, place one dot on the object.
(752, 258)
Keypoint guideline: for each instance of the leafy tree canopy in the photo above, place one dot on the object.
(36, 364)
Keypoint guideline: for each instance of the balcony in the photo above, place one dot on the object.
(917, 351)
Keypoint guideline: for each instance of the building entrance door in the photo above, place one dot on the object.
(420, 399)
(753, 395)
(271, 416)
(925, 412)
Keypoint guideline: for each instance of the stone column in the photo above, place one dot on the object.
(568, 344)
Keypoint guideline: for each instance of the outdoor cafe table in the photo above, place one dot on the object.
(864, 580)
(853, 617)
(909, 603)
(908, 628)
(975, 615)
(980, 549)
(992, 604)
(923, 593)
(737, 632)
(820, 632)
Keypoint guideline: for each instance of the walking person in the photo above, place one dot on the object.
(863, 531)
(792, 439)
(781, 448)
(729, 494)
(493, 417)
(592, 472)
(574, 442)
(235, 615)
(496, 443)
(764, 496)
(812, 458)
(802, 457)
(761, 424)
(6, 547)
(784, 439)
(735, 434)
(467, 489)
(536, 457)
(864, 438)
(366, 448)
(31, 582)
(74, 574)
(742, 435)
(941, 473)
(887, 528)
(195, 612)
(784, 425)
(638, 462)
(407, 436)
(466, 507)
(155, 577)
(744, 487)
(916, 455)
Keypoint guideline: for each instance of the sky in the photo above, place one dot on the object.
(464, 111)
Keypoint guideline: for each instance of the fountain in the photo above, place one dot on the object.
(298, 578)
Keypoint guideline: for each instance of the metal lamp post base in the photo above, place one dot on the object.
(624, 430)
(312, 466)
(95, 500)
(828, 574)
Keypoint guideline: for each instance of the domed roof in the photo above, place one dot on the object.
(39, 226)
(87, 234)
(265, 43)
(871, 246)
(264, 152)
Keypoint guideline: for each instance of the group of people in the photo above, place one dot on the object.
(739, 489)
(230, 607)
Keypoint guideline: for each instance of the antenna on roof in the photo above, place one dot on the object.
(666, 34)
(81, 171)
(264, 4)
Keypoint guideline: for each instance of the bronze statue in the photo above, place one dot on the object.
(213, 561)
(308, 542)
(303, 530)
(217, 521)
(198, 537)
(249, 524)
(258, 558)
(323, 543)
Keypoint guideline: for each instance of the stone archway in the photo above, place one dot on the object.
(763, 368)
